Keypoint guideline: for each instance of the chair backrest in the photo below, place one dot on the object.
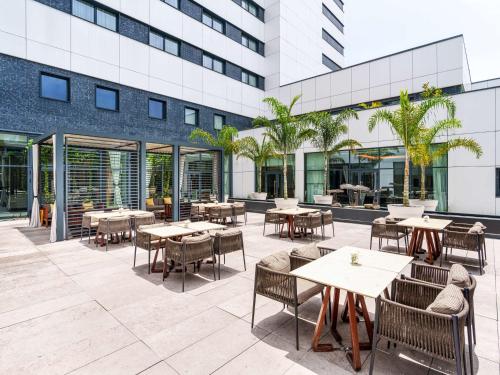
(327, 217)
(144, 219)
(118, 224)
(228, 240)
(226, 211)
(239, 209)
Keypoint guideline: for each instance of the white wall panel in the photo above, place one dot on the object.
(166, 18)
(464, 158)
(138, 9)
(476, 111)
(192, 75)
(360, 77)
(13, 17)
(360, 96)
(450, 78)
(94, 68)
(166, 67)
(167, 88)
(48, 55)
(449, 54)
(459, 193)
(308, 90)
(83, 41)
(47, 25)
(192, 95)
(425, 61)
(323, 88)
(134, 79)
(401, 66)
(341, 82)
(419, 81)
(134, 55)
(12, 45)
(397, 87)
(380, 92)
(380, 72)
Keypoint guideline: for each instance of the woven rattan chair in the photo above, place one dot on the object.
(388, 231)
(88, 224)
(196, 213)
(143, 219)
(403, 319)
(481, 235)
(190, 250)
(309, 222)
(273, 218)
(239, 209)
(283, 287)
(439, 276)
(458, 237)
(148, 242)
(119, 226)
(226, 242)
(327, 219)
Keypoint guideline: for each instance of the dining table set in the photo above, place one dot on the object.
(290, 214)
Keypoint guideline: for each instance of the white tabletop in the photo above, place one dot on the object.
(294, 211)
(418, 222)
(200, 226)
(167, 231)
(116, 213)
(327, 244)
(375, 271)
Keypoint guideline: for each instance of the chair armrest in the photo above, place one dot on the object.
(279, 286)
(298, 261)
(429, 274)
(414, 294)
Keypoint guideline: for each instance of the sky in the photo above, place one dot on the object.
(374, 28)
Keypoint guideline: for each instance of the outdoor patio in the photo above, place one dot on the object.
(69, 307)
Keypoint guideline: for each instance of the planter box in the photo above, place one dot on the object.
(283, 204)
(323, 199)
(401, 212)
(258, 196)
(429, 204)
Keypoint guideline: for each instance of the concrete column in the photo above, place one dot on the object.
(142, 171)
(58, 149)
(176, 182)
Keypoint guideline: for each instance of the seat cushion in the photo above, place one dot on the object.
(226, 233)
(309, 251)
(307, 289)
(150, 202)
(449, 301)
(380, 220)
(279, 261)
(167, 200)
(458, 276)
(476, 229)
(195, 239)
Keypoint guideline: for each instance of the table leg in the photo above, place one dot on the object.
(335, 313)
(437, 244)
(412, 248)
(353, 355)
(366, 317)
(430, 247)
(316, 346)
(291, 227)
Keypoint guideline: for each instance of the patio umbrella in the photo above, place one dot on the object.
(35, 207)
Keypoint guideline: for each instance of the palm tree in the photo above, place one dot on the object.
(407, 123)
(224, 139)
(258, 153)
(328, 130)
(423, 153)
(286, 132)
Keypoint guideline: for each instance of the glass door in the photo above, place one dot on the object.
(273, 184)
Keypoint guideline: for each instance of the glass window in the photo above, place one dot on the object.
(54, 87)
(218, 25)
(106, 98)
(219, 122)
(249, 78)
(155, 40)
(250, 7)
(215, 23)
(190, 116)
(206, 19)
(106, 19)
(249, 42)
(174, 3)
(218, 66)
(172, 46)
(83, 10)
(157, 109)
(207, 61)
(213, 63)
(497, 183)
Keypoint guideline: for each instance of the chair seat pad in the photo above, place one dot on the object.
(309, 251)
(459, 276)
(449, 301)
(279, 261)
(306, 290)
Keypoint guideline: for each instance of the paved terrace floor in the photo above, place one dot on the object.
(68, 307)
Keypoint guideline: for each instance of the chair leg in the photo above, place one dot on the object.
(264, 230)
(480, 262)
(398, 245)
(375, 335)
(254, 297)
(243, 251)
(183, 276)
(218, 265)
(469, 342)
(81, 233)
(371, 238)
(333, 230)
(89, 234)
(456, 342)
(297, 326)
(135, 253)
(213, 266)
(149, 261)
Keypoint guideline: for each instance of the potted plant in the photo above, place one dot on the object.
(258, 153)
(327, 131)
(427, 150)
(407, 123)
(224, 140)
(286, 133)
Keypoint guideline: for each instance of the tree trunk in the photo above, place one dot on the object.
(325, 174)
(406, 182)
(259, 178)
(422, 182)
(285, 173)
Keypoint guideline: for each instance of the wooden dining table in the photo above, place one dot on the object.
(370, 278)
(428, 228)
(289, 215)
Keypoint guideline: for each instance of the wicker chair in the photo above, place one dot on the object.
(143, 219)
(226, 242)
(405, 320)
(190, 250)
(88, 224)
(283, 287)
(196, 213)
(114, 225)
(388, 231)
(326, 219)
(148, 242)
(439, 277)
(273, 218)
(239, 209)
(458, 237)
(311, 221)
(482, 235)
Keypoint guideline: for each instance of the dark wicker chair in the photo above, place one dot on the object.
(273, 218)
(226, 242)
(482, 235)
(119, 226)
(327, 219)
(283, 287)
(220, 214)
(143, 219)
(239, 209)
(148, 242)
(458, 237)
(309, 222)
(197, 214)
(189, 250)
(388, 231)
(404, 320)
(439, 276)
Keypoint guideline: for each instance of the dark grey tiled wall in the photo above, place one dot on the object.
(133, 29)
(191, 53)
(62, 5)
(191, 9)
(23, 110)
